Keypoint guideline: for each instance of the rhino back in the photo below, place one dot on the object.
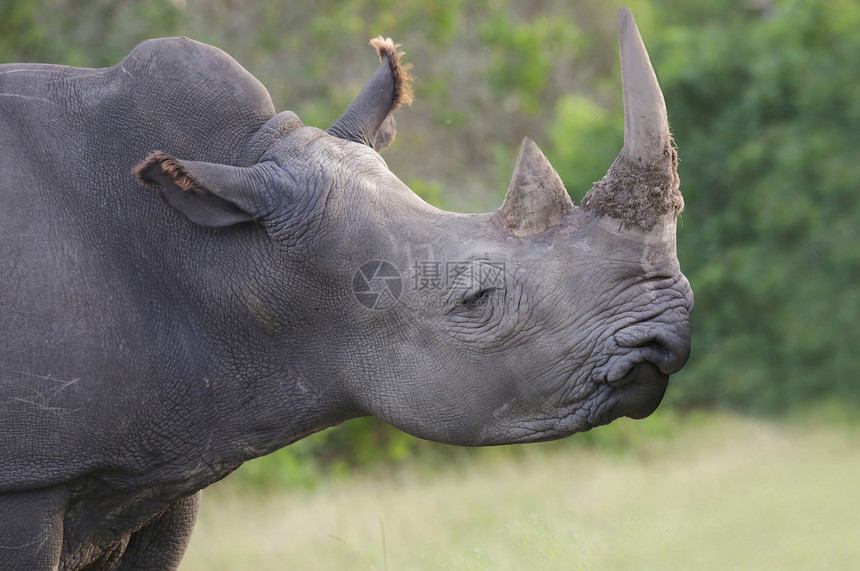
(88, 335)
(172, 92)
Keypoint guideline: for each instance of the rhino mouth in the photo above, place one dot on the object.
(636, 395)
(639, 392)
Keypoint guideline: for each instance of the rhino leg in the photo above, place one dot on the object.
(162, 542)
(31, 529)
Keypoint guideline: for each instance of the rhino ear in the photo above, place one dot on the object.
(368, 119)
(208, 194)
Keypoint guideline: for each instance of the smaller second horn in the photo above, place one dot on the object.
(536, 198)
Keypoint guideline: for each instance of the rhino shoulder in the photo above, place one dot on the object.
(181, 66)
(180, 71)
(184, 90)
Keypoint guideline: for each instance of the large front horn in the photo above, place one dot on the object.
(642, 185)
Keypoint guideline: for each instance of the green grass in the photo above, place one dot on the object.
(694, 492)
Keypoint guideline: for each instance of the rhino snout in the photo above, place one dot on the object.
(642, 356)
(668, 348)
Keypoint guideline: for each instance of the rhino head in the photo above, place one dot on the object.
(529, 323)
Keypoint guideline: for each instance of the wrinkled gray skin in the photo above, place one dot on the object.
(151, 346)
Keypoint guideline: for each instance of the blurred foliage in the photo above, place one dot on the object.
(763, 110)
(523, 54)
(764, 101)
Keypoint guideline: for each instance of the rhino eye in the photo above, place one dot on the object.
(478, 299)
(475, 289)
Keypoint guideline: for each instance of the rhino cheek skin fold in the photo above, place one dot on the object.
(191, 280)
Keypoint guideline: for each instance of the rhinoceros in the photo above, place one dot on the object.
(191, 280)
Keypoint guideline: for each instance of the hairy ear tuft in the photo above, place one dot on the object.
(159, 164)
(208, 194)
(368, 119)
(387, 49)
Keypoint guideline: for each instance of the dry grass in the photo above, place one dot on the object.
(718, 493)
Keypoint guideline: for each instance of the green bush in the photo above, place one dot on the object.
(763, 112)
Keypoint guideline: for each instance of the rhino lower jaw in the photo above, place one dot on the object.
(636, 396)
(642, 391)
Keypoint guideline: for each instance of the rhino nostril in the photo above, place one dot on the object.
(664, 347)
(662, 356)
(669, 358)
(667, 354)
